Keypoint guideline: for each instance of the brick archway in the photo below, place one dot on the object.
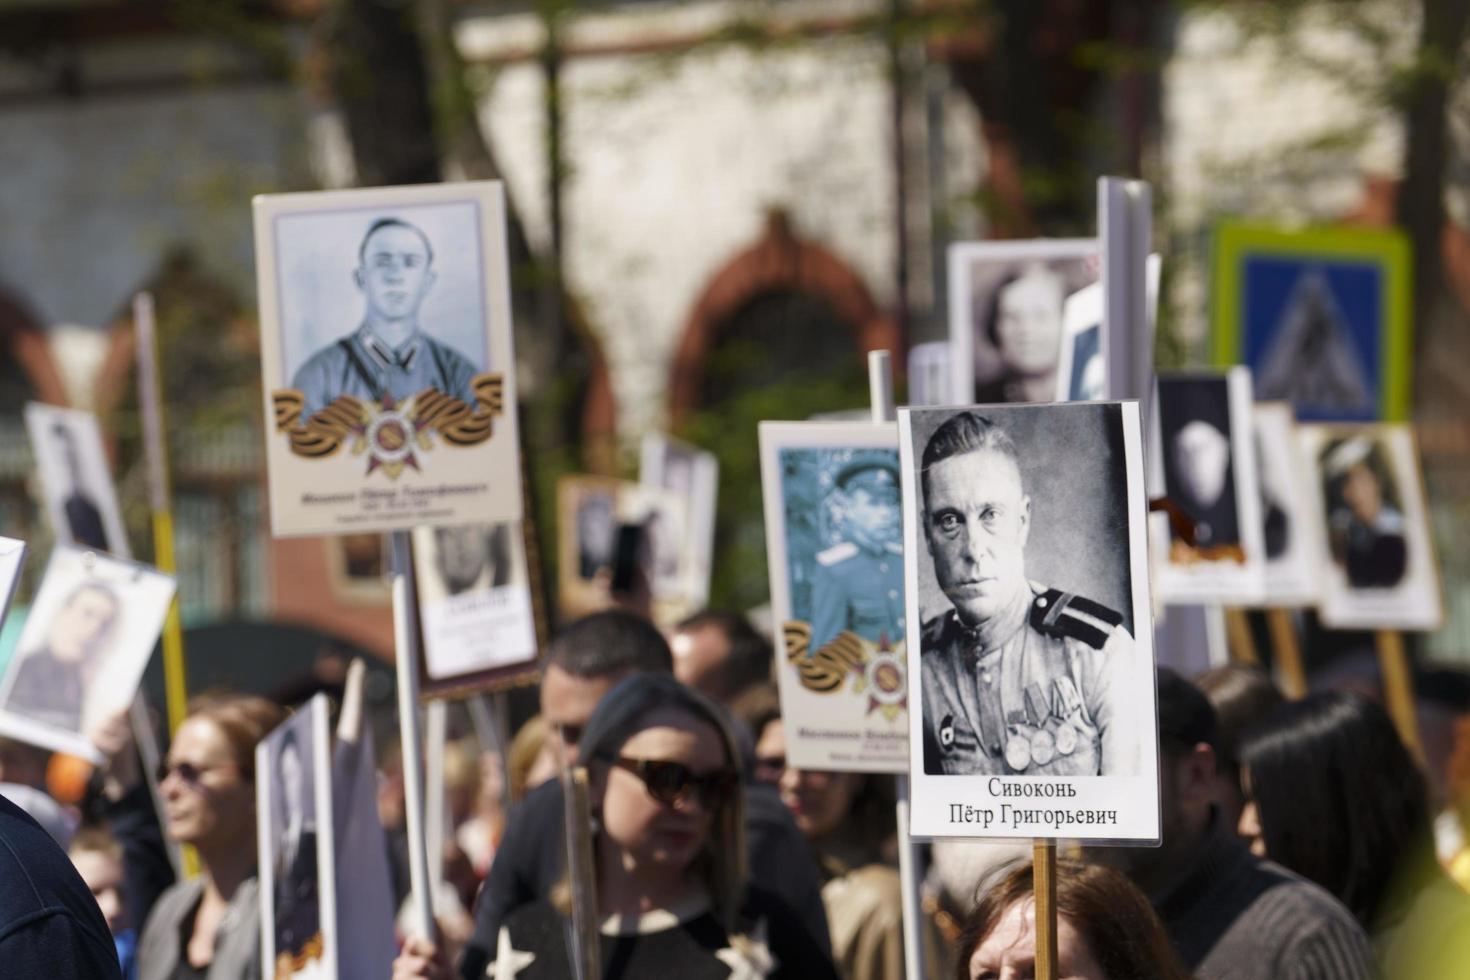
(778, 261)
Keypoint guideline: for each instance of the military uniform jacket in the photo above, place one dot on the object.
(858, 590)
(1051, 699)
(365, 367)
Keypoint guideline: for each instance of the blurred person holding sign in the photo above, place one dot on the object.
(208, 928)
(669, 857)
(1105, 929)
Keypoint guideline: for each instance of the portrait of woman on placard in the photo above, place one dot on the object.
(52, 679)
(1365, 519)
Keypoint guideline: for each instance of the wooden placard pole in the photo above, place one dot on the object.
(1044, 884)
(406, 655)
(1242, 643)
(1287, 653)
(1398, 688)
(880, 391)
(155, 452)
(586, 926)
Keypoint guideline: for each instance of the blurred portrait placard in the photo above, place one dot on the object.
(1005, 314)
(475, 605)
(12, 560)
(617, 536)
(834, 533)
(81, 653)
(1377, 555)
(587, 540)
(1213, 551)
(76, 479)
(1320, 315)
(1028, 622)
(386, 358)
(693, 475)
(1082, 367)
(296, 859)
(1288, 531)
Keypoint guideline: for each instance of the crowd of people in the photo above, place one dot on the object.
(1300, 839)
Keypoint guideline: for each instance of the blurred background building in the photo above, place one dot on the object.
(720, 206)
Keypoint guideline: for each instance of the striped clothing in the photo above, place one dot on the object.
(1234, 916)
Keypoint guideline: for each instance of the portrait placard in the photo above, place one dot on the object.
(1288, 531)
(693, 475)
(1005, 314)
(386, 357)
(587, 539)
(76, 480)
(475, 606)
(293, 798)
(605, 523)
(82, 650)
(1084, 368)
(1376, 554)
(1322, 317)
(12, 560)
(1028, 622)
(1209, 468)
(834, 547)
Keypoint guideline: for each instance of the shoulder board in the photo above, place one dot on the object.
(935, 628)
(837, 553)
(1065, 614)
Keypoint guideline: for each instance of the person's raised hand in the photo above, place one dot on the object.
(420, 960)
(113, 737)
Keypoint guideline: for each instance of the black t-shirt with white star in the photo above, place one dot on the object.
(533, 945)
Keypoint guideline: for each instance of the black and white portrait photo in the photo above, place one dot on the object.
(587, 536)
(1006, 302)
(1376, 553)
(693, 475)
(1292, 577)
(1029, 625)
(475, 603)
(1215, 547)
(83, 648)
(386, 355)
(295, 821)
(400, 343)
(76, 480)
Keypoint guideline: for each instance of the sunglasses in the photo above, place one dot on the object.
(671, 783)
(189, 773)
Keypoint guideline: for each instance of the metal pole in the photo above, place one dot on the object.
(406, 654)
(880, 392)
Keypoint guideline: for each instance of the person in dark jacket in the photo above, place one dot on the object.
(50, 925)
(585, 662)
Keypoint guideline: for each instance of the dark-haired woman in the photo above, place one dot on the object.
(1106, 930)
(1334, 795)
(669, 857)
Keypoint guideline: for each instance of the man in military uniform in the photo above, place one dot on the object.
(1017, 678)
(389, 354)
(858, 584)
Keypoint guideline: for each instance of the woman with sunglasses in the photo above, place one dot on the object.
(669, 855)
(208, 928)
